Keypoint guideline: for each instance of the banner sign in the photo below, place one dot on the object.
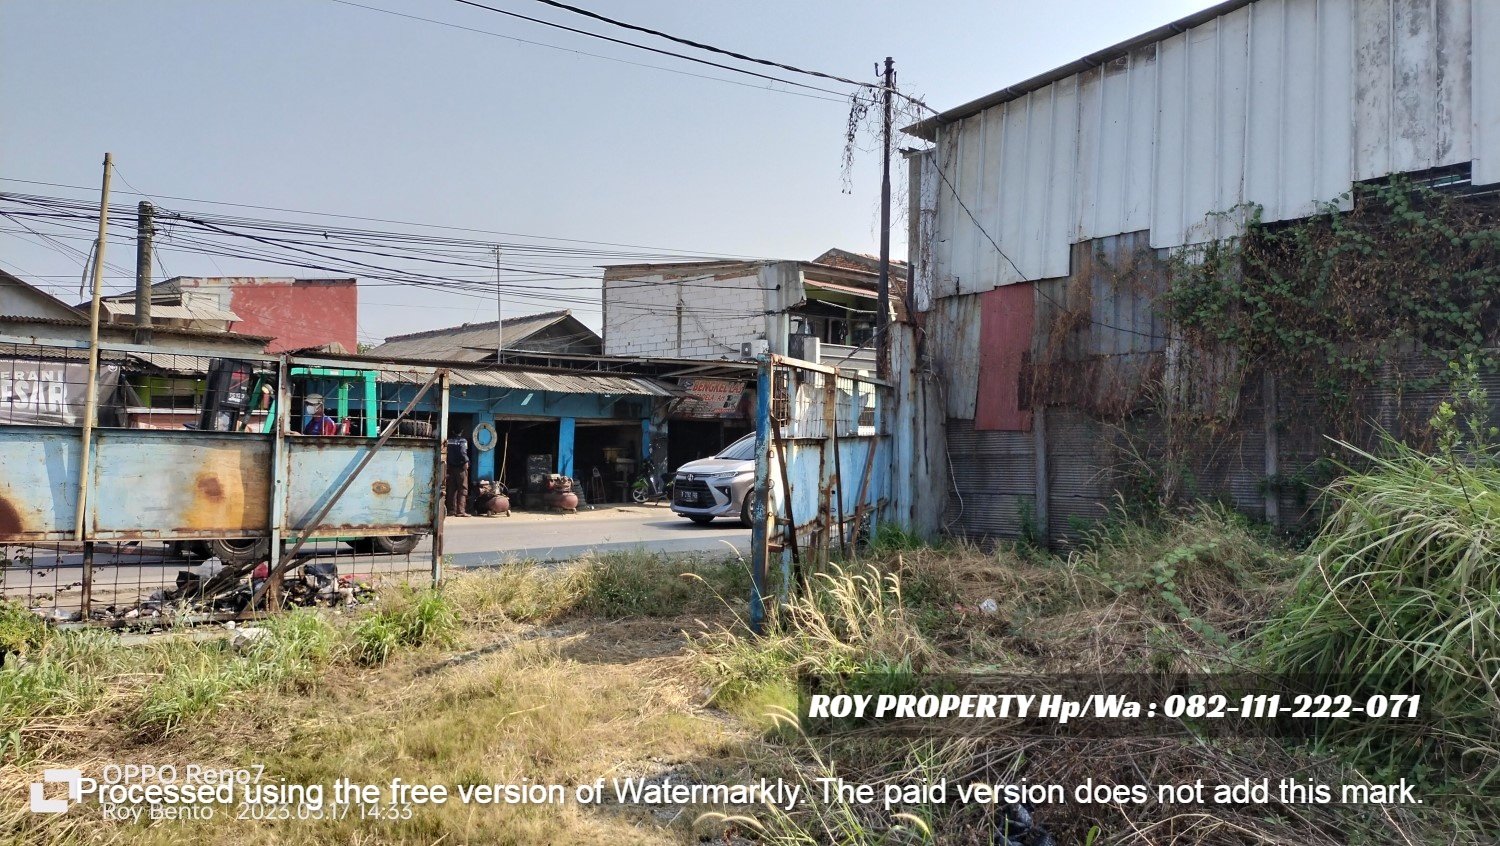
(50, 393)
(714, 399)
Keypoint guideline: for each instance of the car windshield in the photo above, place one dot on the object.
(741, 450)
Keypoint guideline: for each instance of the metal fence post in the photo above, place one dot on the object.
(439, 477)
(759, 510)
(280, 414)
(86, 604)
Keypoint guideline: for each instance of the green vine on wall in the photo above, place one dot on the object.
(1341, 299)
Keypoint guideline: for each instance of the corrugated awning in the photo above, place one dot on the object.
(559, 383)
(171, 312)
(196, 365)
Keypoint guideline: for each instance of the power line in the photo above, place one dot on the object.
(684, 253)
(586, 53)
(688, 42)
(647, 48)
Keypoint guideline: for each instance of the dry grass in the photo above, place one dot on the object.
(581, 698)
(1183, 594)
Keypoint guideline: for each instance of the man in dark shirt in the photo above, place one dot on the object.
(458, 476)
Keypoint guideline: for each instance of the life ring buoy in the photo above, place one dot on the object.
(485, 437)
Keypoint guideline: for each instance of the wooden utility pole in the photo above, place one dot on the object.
(145, 230)
(91, 390)
(883, 297)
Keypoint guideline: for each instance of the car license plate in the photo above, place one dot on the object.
(687, 496)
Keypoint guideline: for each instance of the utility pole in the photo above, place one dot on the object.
(91, 390)
(500, 315)
(145, 230)
(883, 296)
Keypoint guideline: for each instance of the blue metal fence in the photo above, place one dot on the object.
(823, 470)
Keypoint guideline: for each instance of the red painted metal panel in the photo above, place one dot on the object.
(1006, 315)
(298, 313)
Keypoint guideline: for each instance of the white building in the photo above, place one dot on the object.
(731, 309)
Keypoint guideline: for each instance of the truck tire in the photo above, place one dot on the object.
(392, 544)
(414, 428)
(240, 550)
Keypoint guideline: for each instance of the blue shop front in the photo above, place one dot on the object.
(522, 425)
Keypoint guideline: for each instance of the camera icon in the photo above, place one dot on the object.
(40, 804)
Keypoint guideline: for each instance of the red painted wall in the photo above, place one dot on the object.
(1006, 315)
(298, 313)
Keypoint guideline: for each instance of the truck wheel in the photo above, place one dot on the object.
(240, 550)
(393, 544)
(414, 428)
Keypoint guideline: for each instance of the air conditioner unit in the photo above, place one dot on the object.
(755, 348)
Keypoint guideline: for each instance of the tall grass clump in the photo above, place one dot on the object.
(20, 629)
(849, 623)
(647, 584)
(1403, 595)
(1203, 569)
(201, 678)
(410, 618)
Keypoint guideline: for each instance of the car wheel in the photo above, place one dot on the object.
(240, 550)
(746, 519)
(394, 544)
(701, 519)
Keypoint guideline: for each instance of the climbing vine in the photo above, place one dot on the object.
(1342, 300)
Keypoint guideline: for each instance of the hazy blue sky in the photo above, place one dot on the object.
(326, 107)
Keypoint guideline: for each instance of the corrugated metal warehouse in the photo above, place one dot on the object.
(1036, 200)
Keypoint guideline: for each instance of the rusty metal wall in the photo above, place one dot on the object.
(993, 481)
(1280, 103)
(39, 488)
(393, 493)
(162, 484)
(159, 500)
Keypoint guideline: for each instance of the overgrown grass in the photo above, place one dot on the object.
(1179, 592)
(20, 629)
(610, 585)
(850, 623)
(200, 678)
(405, 619)
(1403, 595)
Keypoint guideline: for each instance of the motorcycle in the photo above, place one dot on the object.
(650, 487)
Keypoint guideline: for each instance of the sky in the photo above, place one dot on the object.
(326, 107)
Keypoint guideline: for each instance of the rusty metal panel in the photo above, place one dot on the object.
(1004, 400)
(39, 482)
(953, 344)
(151, 483)
(1078, 468)
(392, 494)
(993, 479)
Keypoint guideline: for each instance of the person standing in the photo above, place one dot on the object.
(458, 476)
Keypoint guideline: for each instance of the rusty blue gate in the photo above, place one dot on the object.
(180, 484)
(822, 472)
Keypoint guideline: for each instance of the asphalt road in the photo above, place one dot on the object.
(483, 541)
(123, 575)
